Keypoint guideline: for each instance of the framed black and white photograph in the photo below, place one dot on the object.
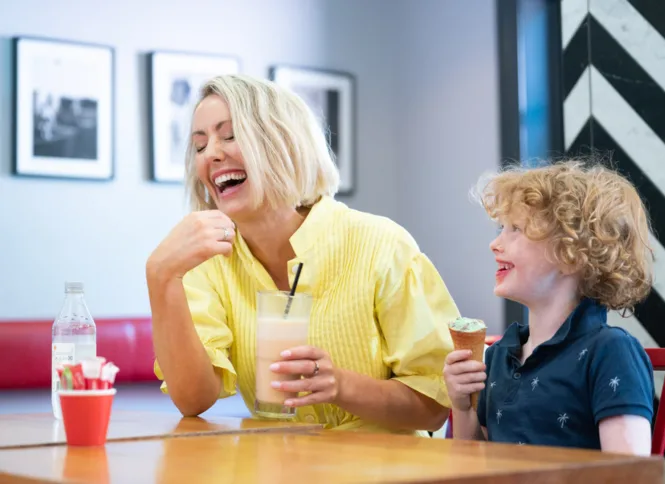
(331, 95)
(175, 81)
(63, 111)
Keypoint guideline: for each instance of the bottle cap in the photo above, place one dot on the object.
(73, 287)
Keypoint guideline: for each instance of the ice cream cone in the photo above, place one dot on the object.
(470, 340)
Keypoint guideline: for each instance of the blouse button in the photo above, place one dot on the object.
(517, 375)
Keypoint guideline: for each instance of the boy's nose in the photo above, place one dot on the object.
(495, 246)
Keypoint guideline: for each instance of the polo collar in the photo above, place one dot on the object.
(586, 317)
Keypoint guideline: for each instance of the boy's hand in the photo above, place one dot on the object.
(463, 377)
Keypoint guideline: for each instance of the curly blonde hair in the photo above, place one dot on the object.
(593, 219)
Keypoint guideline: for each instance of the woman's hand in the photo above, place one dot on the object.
(195, 239)
(320, 376)
(463, 377)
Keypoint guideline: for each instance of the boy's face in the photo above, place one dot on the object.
(524, 273)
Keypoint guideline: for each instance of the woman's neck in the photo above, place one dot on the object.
(267, 237)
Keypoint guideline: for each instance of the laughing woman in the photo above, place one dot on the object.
(261, 179)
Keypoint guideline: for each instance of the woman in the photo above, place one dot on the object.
(261, 180)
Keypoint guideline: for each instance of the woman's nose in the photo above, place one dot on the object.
(214, 152)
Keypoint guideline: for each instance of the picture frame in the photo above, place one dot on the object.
(63, 109)
(175, 79)
(332, 96)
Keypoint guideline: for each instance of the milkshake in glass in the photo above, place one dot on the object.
(282, 323)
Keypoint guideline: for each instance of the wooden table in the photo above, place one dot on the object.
(322, 457)
(27, 430)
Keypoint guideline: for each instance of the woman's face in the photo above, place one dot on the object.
(219, 162)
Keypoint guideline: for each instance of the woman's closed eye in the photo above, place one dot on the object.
(201, 148)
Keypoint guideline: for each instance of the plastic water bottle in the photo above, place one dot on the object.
(74, 337)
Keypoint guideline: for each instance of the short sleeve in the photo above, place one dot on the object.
(482, 398)
(209, 319)
(621, 377)
(413, 308)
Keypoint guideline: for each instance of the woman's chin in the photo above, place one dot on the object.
(232, 209)
(233, 202)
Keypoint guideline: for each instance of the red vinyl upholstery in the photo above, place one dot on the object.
(657, 357)
(25, 350)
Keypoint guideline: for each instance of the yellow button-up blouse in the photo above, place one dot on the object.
(380, 307)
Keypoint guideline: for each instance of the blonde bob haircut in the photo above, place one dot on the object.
(287, 157)
(592, 218)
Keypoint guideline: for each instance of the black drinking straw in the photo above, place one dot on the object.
(293, 291)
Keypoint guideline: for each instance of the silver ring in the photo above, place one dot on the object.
(227, 234)
(316, 368)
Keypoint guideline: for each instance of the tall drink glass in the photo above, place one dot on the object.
(282, 323)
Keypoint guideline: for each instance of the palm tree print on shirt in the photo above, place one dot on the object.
(499, 414)
(563, 418)
(614, 383)
(534, 383)
(582, 354)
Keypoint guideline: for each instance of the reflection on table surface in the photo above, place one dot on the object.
(23, 430)
(323, 456)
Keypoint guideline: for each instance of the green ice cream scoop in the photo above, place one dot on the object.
(467, 325)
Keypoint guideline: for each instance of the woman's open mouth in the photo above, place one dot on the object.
(229, 183)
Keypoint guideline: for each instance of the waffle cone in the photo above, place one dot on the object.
(475, 341)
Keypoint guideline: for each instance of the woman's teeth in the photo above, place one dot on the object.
(222, 179)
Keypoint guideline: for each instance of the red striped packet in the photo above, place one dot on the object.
(71, 377)
(92, 372)
(109, 371)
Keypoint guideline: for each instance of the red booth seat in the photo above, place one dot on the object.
(25, 351)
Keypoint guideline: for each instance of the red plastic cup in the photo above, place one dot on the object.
(86, 415)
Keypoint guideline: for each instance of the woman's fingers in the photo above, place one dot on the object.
(316, 384)
(296, 367)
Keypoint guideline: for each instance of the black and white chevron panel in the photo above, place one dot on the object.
(614, 101)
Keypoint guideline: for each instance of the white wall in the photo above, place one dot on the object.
(426, 100)
(447, 137)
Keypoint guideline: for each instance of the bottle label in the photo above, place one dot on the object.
(62, 353)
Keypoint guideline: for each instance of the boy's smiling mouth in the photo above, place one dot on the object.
(504, 268)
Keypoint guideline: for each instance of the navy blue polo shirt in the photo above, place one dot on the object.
(586, 372)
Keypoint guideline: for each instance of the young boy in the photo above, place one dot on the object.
(573, 244)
